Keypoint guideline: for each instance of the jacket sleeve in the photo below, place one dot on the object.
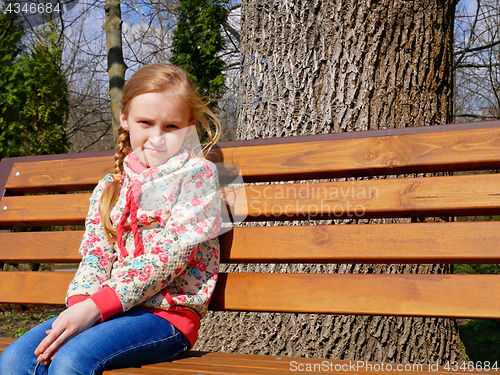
(195, 218)
(96, 251)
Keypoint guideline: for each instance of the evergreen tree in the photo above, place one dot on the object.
(10, 80)
(198, 42)
(45, 112)
(34, 100)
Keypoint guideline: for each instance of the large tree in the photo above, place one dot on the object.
(321, 66)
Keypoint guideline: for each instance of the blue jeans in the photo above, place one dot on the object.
(130, 339)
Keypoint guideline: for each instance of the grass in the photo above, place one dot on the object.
(16, 320)
(489, 269)
(482, 340)
(27, 320)
(480, 337)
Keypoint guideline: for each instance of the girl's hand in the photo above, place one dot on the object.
(68, 324)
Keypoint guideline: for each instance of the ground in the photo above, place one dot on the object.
(15, 320)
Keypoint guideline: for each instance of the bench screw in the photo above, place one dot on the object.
(4, 208)
(279, 358)
(17, 173)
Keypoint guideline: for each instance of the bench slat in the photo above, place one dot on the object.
(405, 197)
(205, 368)
(352, 155)
(40, 210)
(182, 368)
(472, 149)
(457, 296)
(228, 367)
(41, 247)
(466, 296)
(34, 287)
(436, 196)
(58, 175)
(271, 367)
(459, 242)
(264, 359)
(271, 363)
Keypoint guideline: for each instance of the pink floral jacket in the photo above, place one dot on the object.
(178, 218)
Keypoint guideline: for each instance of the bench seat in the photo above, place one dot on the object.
(360, 175)
(204, 363)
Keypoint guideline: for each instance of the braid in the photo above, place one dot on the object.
(112, 191)
(122, 150)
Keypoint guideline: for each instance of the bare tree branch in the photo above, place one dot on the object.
(480, 48)
(482, 117)
(232, 31)
(492, 65)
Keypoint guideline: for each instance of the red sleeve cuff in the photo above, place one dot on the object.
(107, 302)
(73, 300)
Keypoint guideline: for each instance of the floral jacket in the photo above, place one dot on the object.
(177, 219)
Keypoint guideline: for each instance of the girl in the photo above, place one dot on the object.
(149, 254)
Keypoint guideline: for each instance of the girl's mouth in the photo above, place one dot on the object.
(154, 150)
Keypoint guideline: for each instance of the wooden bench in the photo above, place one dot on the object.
(446, 148)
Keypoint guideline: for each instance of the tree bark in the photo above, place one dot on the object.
(319, 66)
(116, 65)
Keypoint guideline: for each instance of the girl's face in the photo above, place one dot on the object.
(158, 124)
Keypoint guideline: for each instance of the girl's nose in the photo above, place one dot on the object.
(156, 141)
(156, 132)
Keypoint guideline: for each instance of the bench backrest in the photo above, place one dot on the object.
(473, 147)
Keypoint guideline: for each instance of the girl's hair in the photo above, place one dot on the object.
(153, 78)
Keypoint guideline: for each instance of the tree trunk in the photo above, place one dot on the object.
(116, 65)
(320, 66)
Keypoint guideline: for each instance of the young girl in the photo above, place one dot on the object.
(149, 253)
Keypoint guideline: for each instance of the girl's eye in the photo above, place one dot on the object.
(172, 127)
(145, 122)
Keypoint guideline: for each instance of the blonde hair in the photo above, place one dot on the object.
(154, 78)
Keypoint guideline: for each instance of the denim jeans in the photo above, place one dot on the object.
(130, 339)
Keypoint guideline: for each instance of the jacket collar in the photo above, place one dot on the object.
(139, 174)
(136, 170)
